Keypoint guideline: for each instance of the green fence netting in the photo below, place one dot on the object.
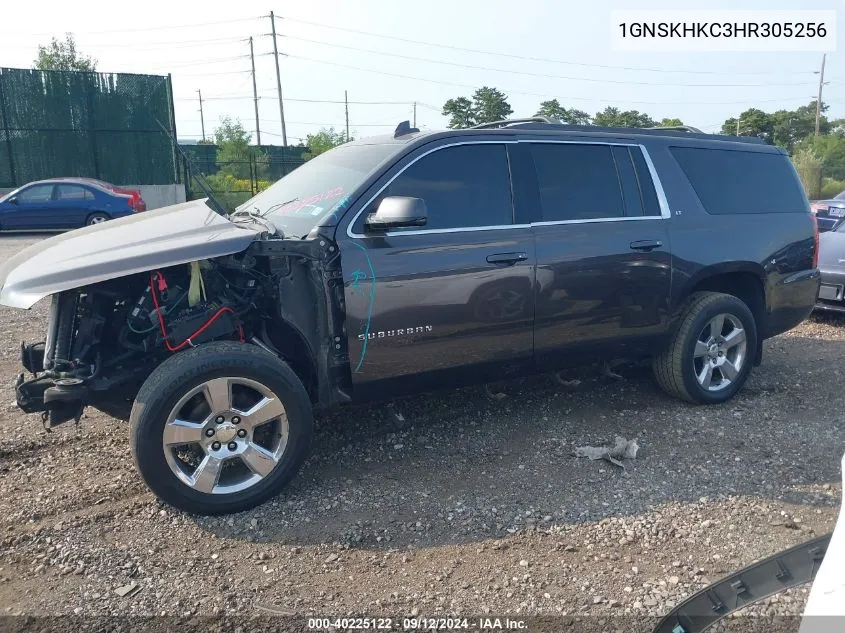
(98, 125)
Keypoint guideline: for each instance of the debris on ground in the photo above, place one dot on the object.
(127, 591)
(569, 384)
(495, 395)
(607, 372)
(621, 449)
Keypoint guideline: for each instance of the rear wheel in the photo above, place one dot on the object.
(710, 355)
(97, 218)
(220, 428)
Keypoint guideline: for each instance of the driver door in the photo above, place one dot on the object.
(448, 301)
(32, 209)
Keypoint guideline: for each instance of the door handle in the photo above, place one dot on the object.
(507, 258)
(646, 245)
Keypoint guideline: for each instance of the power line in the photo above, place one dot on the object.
(351, 102)
(212, 74)
(531, 94)
(167, 27)
(169, 44)
(528, 58)
(336, 101)
(533, 74)
(335, 124)
(298, 138)
(218, 98)
(203, 62)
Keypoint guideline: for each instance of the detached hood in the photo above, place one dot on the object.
(832, 251)
(169, 236)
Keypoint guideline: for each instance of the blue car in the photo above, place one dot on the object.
(66, 203)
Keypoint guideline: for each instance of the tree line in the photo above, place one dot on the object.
(490, 104)
(819, 158)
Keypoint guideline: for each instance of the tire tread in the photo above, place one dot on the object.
(184, 366)
(668, 366)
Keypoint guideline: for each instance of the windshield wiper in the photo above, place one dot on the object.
(278, 205)
(256, 217)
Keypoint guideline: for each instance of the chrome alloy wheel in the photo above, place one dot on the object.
(720, 352)
(225, 435)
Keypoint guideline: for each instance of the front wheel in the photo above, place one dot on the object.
(710, 355)
(220, 428)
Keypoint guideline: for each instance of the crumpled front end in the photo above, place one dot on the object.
(102, 340)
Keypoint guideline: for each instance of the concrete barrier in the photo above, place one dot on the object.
(154, 195)
(160, 195)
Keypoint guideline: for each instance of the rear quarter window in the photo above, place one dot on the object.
(729, 182)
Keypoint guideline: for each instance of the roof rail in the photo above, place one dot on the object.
(555, 125)
(677, 128)
(404, 128)
(504, 122)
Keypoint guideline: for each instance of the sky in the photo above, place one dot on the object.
(388, 54)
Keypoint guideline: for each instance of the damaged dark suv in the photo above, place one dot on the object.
(407, 262)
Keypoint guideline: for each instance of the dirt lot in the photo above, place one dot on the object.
(451, 503)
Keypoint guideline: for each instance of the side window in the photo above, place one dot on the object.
(463, 186)
(649, 196)
(577, 182)
(735, 181)
(36, 194)
(628, 179)
(73, 193)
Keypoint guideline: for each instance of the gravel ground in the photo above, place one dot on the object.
(449, 503)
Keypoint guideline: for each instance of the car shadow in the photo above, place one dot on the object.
(441, 468)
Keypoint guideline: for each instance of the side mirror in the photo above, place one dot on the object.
(13, 200)
(397, 211)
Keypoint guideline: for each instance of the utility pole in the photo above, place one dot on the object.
(279, 80)
(737, 124)
(254, 94)
(202, 119)
(819, 99)
(346, 106)
(415, 114)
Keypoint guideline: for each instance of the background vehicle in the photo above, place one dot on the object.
(830, 213)
(832, 268)
(66, 203)
(410, 262)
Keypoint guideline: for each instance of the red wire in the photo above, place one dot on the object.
(192, 336)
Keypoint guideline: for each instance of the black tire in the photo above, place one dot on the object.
(674, 368)
(97, 218)
(184, 371)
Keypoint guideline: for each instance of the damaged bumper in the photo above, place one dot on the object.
(58, 399)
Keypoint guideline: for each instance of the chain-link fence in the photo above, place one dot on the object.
(98, 125)
(235, 181)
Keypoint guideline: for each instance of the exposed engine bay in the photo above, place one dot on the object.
(104, 339)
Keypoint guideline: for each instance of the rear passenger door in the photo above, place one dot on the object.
(72, 205)
(603, 256)
(449, 301)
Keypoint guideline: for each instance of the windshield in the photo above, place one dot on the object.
(6, 196)
(299, 201)
(840, 196)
